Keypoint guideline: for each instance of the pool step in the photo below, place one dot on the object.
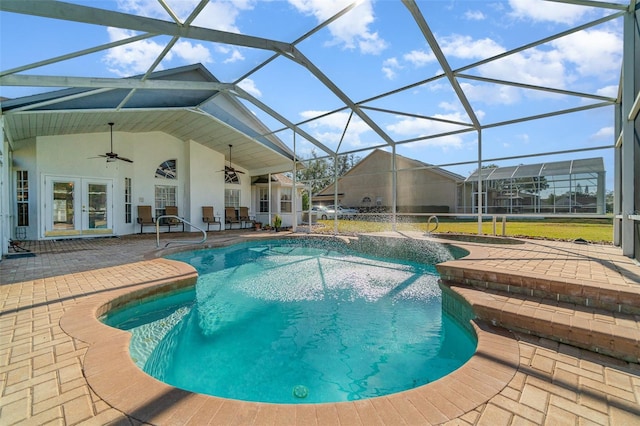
(589, 294)
(585, 314)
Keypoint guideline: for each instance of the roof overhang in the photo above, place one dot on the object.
(182, 123)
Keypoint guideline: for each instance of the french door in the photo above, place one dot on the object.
(77, 206)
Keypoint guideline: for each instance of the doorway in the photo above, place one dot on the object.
(77, 206)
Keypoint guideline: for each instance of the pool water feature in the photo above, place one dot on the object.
(298, 322)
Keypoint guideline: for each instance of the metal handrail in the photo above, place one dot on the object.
(204, 233)
(429, 223)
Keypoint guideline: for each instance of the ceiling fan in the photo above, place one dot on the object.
(112, 156)
(229, 169)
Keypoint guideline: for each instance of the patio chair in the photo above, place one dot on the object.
(145, 217)
(230, 217)
(172, 221)
(209, 218)
(245, 218)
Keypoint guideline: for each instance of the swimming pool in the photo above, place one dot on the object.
(293, 321)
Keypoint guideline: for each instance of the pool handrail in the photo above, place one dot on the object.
(183, 220)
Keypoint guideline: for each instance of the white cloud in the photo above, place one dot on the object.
(466, 47)
(413, 127)
(491, 95)
(222, 15)
(351, 30)
(604, 133)
(234, 57)
(148, 8)
(191, 52)
(250, 86)
(474, 15)
(610, 91)
(136, 58)
(330, 129)
(594, 52)
(560, 13)
(534, 66)
(419, 58)
(219, 15)
(389, 68)
(133, 58)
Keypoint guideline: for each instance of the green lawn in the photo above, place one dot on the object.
(597, 231)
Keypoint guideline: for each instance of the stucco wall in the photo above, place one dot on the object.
(418, 189)
(199, 178)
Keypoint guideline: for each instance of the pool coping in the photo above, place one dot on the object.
(114, 377)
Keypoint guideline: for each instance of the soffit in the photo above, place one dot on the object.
(183, 124)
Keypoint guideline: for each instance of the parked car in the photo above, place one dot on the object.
(343, 213)
(321, 212)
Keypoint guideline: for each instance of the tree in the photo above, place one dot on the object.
(316, 173)
(320, 172)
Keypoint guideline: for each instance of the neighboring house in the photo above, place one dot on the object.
(368, 186)
(63, 180)
(276, 196)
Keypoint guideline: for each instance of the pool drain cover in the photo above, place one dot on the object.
(300, 391)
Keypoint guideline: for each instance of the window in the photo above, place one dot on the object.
(366, 200)
(264, 200)
(231, 176)
(127, 200)
(22, 197)
(232, 198)
(285, 200)
(167, 170)
(165, 196)
(378, 201)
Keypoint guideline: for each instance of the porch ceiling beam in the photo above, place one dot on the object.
(111, 83)
(107, 18)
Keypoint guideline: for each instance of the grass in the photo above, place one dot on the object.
(595, 231)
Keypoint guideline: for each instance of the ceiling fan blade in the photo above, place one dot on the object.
(125, 159)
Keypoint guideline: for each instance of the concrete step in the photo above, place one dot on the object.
(585, 293)
(610, 333)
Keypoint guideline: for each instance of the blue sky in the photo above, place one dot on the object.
(374, 49)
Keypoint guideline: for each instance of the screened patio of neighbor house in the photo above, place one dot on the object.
(574, 186)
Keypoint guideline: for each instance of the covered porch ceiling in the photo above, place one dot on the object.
(182, 123)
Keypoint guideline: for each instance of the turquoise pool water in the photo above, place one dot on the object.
(298, 322)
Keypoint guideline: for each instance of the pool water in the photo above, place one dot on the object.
(285, 322)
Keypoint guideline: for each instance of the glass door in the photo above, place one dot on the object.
(77, 206)
(95, 208)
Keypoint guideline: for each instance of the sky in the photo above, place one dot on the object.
(376, 49)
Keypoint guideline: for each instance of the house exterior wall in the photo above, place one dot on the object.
(419, 190)
(266, 218)
(198, 182)
(205, 185)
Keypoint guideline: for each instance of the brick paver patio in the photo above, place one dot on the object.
(49, 377)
